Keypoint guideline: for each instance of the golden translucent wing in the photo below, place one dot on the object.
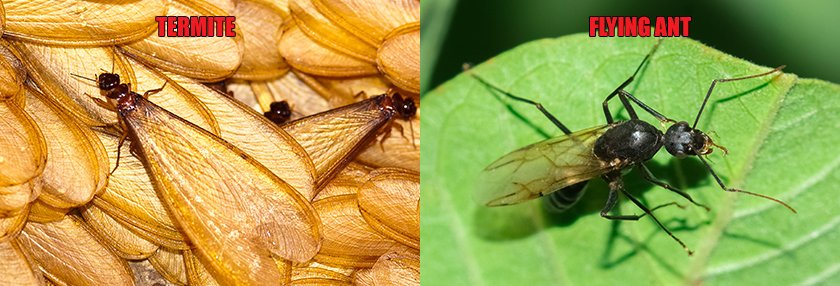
(542, 168)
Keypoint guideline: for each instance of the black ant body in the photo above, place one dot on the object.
(560, 167)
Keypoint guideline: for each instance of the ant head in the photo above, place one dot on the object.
(279, 112)
(107, 81)
(404, 106)
(682, 140)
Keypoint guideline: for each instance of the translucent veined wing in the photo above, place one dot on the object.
(542, 168)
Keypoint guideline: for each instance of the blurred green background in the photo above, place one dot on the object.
(804, 35)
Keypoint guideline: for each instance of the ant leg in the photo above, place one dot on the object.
(722, 186)
(714, 82)
(617, 185)
(621, 87)
(153, 91)
(644, 106)
(531, 102)
(566, 198)
(648, 176)
(647, 211)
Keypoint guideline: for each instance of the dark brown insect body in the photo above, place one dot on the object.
(110, 85)
(279, 112)
(126, 100)
(561, 167)
(393, 104)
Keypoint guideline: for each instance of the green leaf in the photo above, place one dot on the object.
(781, 132)
(436, 17)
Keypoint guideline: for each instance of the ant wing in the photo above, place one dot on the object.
(542, 168)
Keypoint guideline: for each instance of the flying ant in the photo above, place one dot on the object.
(561, 166)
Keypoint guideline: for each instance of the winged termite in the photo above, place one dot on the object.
(304, 54)
(348, 240)
(116, 236)
(370, 20)
(561, 166)
(55, 78)
(279, 112)
(356, 124)
(290, 87)
(70, 255)
(399, 57)
(10, 226)
(18, 267)
(262, 25)
(24, 156)
(131, 199)
(12, 74)
(39, 211)
(402, 152)
(206, 58)
(400, 266)
(314, 24)
(170, 264)
(390, 203)
(234, 211)
(64, 189)
(274, 148)
(314, 272)
(197, 274)
(92, 23)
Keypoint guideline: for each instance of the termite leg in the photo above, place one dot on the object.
(153, 91)
(119, 150)
(102, 103)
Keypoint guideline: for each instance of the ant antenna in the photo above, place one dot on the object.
(714, 82)
(741, 191)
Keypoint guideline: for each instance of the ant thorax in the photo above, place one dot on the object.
(630, 141)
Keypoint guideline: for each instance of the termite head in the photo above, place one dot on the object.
(404, 107)
(279, 112)
(108, 81)
(682, 140)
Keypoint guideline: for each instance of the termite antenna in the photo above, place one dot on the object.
(411, 128)
(83, 77)
(714, 82)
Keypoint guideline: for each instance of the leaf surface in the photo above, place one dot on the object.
(774, 127)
